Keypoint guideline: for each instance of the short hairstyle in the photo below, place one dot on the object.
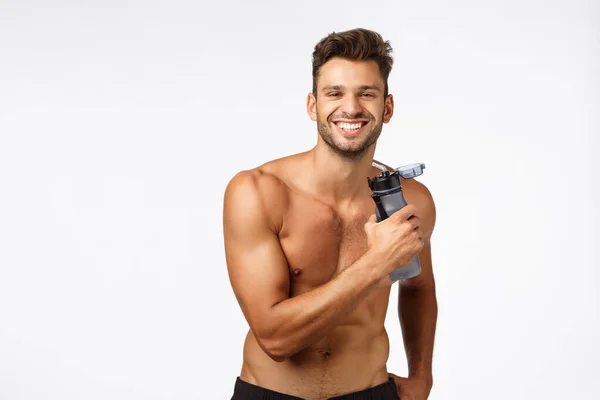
(354, 45)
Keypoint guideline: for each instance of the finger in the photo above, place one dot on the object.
(397, 379)
(415, 221)
(370, 224)
(419, 233)
(408, 211)
(372, 219)
(405, 396)
(402, 214)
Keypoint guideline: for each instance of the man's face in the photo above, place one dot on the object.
(350, 108)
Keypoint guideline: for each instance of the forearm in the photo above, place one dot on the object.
(418, 316)
(298, 322)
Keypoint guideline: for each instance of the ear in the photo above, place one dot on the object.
(311, 106)
(388, 108)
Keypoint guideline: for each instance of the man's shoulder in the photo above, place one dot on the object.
(264, 179)
(269, 178)
(261, 190)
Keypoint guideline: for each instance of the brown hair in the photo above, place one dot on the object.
(355, 45)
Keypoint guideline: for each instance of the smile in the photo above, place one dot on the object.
(351, 127)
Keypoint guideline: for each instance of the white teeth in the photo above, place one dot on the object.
(349, 127)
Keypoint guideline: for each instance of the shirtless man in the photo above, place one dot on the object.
(308, 262)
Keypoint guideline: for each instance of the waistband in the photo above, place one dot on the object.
(248, 391)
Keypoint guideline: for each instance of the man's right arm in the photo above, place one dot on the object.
(259, 276)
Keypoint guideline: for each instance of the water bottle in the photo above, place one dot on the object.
(388, 197)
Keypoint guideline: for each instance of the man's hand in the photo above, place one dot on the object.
(411, 388)
(396, 241)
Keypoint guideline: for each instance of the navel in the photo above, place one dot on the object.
(297, 271)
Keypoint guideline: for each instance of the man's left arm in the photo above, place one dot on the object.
(417, 305)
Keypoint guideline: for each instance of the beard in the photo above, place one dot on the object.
(350, 148)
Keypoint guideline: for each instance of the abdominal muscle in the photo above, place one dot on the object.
(350, 358)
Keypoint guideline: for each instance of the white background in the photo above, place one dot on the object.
(121, 122)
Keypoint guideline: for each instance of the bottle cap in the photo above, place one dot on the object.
(411, 170)
(386, 181)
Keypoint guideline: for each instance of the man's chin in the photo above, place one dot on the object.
(353, 151)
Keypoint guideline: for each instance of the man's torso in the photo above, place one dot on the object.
(320, 241)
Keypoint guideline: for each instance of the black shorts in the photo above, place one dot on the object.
(247, 391)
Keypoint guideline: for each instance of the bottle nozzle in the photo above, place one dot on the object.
(380, 166)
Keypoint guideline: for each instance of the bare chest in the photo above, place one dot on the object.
(319, 242)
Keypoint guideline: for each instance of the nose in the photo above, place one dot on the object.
(351, 105)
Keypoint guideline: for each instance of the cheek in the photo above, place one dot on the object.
(379, 112)
(372, 113)
(323, 112)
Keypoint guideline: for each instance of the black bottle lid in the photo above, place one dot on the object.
(386, 181)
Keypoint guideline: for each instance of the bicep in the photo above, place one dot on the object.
(256, 264)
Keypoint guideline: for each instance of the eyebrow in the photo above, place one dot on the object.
(363, 87)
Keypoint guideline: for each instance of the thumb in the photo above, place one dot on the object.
(397, 378)
(370, 223)
(372, 219)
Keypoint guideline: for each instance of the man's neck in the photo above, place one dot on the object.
(338, 179)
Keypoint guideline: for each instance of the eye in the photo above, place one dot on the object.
(367, 95)
(333, 94)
